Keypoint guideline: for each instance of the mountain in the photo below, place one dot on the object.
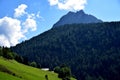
(75, 18)
(92, 51)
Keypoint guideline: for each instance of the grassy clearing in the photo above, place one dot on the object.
(22, 72)
(12, 70)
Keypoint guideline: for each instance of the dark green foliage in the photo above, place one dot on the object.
(25, 60)
(46, 77)
(63, 71)
(1, 51)
(19, 58)
(91, 50)
(7, 53)
(33, 64)
(57, 69)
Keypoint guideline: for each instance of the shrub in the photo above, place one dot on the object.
(33, 64)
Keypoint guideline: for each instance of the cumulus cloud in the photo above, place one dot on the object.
(4, 41)
(12, 30)
(29, 24)
(20, 10)
(53, 2)
(72, 5)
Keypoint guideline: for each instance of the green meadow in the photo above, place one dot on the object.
(12, 70)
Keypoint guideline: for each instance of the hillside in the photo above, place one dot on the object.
(91, 50)
(12, 70)
(76, 18)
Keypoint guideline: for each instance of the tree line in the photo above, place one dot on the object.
(8, 54)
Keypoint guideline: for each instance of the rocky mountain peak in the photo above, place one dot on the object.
(76, 18)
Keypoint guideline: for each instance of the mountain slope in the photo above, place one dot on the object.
(91, 50)
(78, 17)
(12, 70)
(5, 76)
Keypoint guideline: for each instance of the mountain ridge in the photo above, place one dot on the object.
(76, 18)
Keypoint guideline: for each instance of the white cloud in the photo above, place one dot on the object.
(32, 16)
(72, 5)
(4, 41)
(13, 30)
(10, 31)
(29, 24)
(53, 2)
(20, 10)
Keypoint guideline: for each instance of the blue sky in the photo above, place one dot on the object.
(23, 19)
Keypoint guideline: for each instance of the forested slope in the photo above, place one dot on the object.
(91, 50)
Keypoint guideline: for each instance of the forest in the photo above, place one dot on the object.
(92, 51)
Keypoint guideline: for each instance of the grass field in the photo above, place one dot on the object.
(12, 70)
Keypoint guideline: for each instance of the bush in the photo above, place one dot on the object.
(64, 72)
(33, 64)
(46, 77)
(57, 69)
